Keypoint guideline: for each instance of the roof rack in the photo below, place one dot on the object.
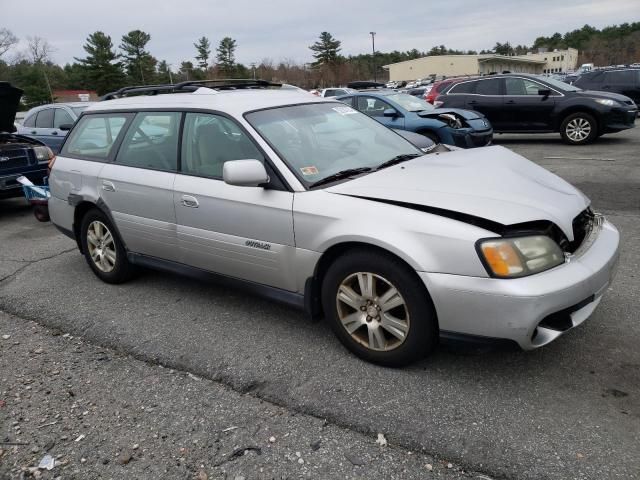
(191, 86)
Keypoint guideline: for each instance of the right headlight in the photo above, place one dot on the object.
(608, 102)
(519, 256)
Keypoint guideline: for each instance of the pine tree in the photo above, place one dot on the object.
(138, 62)
(101, 69)
(164, 73)
(326, 50)
(203, 48)
(226, 56)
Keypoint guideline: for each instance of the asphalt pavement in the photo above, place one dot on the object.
(568, 410)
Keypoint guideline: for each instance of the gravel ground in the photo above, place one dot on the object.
(102, 414)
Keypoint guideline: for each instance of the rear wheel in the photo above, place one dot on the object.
(579, 129)
(379, 309)
(103, 249)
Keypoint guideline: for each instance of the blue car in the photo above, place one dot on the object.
(401, 111)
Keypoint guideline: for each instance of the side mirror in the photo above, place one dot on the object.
(66, 127)
(544, 92)
(244, 173)
(389, 112)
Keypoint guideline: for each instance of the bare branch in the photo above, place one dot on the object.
(7, 40)
(39, 49)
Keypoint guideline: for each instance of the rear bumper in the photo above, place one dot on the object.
(531, 311)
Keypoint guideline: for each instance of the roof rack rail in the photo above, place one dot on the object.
(191, 86)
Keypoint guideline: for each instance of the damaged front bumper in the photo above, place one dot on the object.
(532, 311)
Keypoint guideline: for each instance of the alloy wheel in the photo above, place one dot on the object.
(578, 129)
(372, 311)
(101, 245)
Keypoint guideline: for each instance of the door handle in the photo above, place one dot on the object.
(473, 102)
(189, 201)
(55, 132)
(510, 102)
(108, 186)
(34, 132)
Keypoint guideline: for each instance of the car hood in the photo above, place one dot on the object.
(598, 94)
(466, 114)
(9, 101)
(491, 183)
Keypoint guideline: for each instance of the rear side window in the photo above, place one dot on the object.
(94, 136)
(61, 117)
(30, 121)
(620, 78)
(151, 141)
(488, 87)
(45, 118)
(464, 87)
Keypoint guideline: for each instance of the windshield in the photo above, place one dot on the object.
(560, 85)
(317, 140)
(79, 110)
(409, 102)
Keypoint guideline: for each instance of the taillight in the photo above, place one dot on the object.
(52, 160)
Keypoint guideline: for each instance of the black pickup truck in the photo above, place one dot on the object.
(19, 155)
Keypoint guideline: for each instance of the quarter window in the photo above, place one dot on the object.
(488, 87)
(464, 87)
(208, 141)
(45, 118)
(94, 136)
(151, 141)
(61, 117)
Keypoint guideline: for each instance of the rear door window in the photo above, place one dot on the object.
(489, 87)
(45, 118)
(95, 135)
(152, 141)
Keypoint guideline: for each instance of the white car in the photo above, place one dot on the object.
(313, 203)
(335, 92)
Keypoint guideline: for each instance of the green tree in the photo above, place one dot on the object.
(163, 74)
(138, 62)
(503, 48)
(102, 72)
(226, 56)
(326, 50)
(203, 47)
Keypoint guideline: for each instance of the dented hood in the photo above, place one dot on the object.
(9, 101)
(491, 183)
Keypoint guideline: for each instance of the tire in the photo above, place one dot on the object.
(579, 129)
(370, 335)
(110, 264)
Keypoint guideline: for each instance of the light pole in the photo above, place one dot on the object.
(373, 44)
(253, 66)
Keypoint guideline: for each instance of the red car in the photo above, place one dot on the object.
(438, 87)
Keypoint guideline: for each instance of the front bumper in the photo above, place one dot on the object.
(531, 311)
(10, 187)
(469, 138)
(619, 118)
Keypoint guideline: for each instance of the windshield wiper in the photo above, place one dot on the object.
(340, 175)
(398, 159)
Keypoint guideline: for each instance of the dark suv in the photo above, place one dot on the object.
(520, 103)
(19, 155)
(625, 82)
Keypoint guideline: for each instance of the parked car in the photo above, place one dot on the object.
(531, 104)
(19, 155)
(420, 92)
(462, 128)
(440, 86)
(50, 123)
(335, 92)
(311, 202)
(624, 81)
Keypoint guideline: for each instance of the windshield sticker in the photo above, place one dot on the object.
(344, 110)
(309, 170)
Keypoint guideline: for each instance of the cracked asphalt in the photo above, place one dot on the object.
(569, 410)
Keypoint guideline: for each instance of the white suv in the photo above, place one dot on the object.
(312, 203)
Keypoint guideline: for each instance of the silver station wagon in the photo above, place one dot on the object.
(312, 203)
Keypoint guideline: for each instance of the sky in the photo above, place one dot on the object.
(284, 29)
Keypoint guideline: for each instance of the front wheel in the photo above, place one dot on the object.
(379, 309)
(579, 129)
(103, 249)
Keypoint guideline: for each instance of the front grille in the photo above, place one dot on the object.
(14, 158)
(581, 227)
(481, 140)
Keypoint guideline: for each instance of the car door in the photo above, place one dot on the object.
(138, 186)
(376, 107)
(43, 128)
(524, 108)
(241, 232)
(487, 100)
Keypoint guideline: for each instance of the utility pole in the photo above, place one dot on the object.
(373, 44)
(253, 66)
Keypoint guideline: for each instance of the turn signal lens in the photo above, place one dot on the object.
(502, 258)
(521, 256)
